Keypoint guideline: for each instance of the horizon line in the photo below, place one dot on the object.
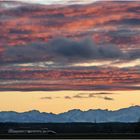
(115, 110)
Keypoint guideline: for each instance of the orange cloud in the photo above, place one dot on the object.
(101, 79)
(44, 23)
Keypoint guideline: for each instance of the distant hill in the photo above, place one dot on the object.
(131, 114)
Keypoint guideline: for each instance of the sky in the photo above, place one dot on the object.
(48, 2)
(54, 59)
(62, 101)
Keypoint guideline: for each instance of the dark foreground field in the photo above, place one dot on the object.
(73, 130)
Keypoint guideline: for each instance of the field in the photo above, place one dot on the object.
(73, 130)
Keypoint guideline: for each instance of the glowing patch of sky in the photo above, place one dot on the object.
(128, 64)
(65, 1)
(59, 1)
(58, 103)
(115, 63)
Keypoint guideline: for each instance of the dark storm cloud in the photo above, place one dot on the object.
(62, 50)
(135, 54)
(27, 53)
(70, 50)
(133, 21)
(16, 31)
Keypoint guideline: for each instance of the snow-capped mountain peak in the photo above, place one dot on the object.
(131, 114)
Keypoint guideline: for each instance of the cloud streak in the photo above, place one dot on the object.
(66, 2)
(83, 96)
(63, 50)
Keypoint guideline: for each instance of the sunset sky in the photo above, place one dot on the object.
(55, 58)
(49, 2)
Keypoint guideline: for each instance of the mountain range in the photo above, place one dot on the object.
(131, 114)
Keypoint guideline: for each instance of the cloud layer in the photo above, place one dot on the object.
(33, 58)
(112, 22)
(48, 2)
(103, 79)
(63, 50)
(83, 96)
